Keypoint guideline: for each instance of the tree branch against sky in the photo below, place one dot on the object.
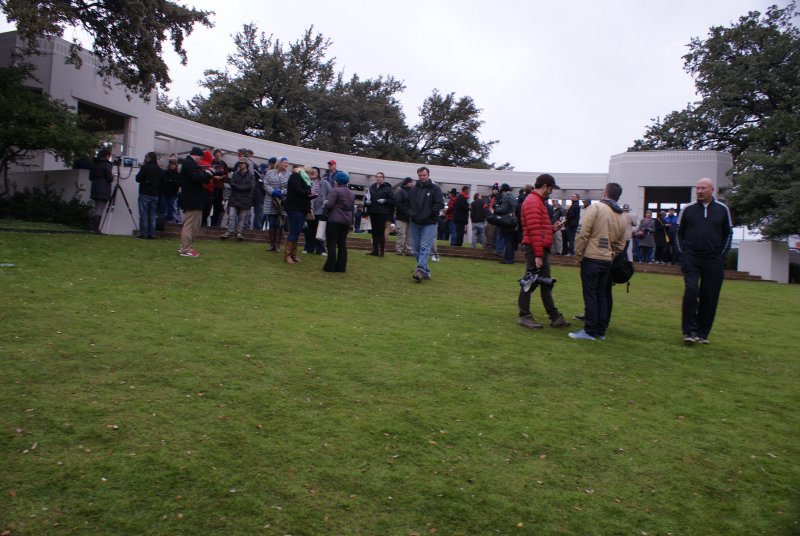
(126, 36)
(292, 94)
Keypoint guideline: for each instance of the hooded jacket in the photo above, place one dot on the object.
(602, 233)
(242, 188)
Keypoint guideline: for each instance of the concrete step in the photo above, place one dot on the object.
(363, 242)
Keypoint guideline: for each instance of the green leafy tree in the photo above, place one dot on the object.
(127, 36)
(293, 95)
(748, 78)
(32, 121)
(447, 134)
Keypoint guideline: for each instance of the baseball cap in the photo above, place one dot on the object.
(546, 179)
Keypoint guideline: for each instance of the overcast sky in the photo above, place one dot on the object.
(562, 85)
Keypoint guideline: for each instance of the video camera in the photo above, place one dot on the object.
(533, 279)
(125, 161)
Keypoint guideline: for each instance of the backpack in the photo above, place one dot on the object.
(621, 270)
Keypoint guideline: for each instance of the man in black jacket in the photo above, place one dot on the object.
(704, 238)
(193, 200)
(424, 203)
(461, 215)
(149, 179)
(571, 227)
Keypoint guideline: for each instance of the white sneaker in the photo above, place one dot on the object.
(434, 258)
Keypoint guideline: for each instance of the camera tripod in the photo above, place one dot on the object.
(113, 201)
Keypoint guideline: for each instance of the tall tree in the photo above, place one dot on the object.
(748, 76)
(292, 95)
(32, 121)
(127, 36)
(447, 133)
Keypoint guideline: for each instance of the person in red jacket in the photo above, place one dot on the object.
(537, 238)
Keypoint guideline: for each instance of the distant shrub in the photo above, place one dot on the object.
(45, 204)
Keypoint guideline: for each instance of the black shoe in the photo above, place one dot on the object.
(690, 338)
(582, 318)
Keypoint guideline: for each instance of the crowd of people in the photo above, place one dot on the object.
(284, 199)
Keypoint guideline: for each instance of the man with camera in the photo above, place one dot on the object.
(537, 239)
(601, 238)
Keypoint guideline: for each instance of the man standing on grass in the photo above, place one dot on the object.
(537, 239)
(601, 238)
(704, 237)
(193, 199)
(424, 203)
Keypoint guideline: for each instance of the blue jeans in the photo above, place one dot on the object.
(167, 207)
(479, 234)
(148, 208)
(451, 227)
(296, 221)
(500, 241)
(258, 216)
(422, 241)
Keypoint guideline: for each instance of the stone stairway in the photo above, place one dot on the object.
(362, 242)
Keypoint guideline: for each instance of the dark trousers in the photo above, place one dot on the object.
(313, 245)
(378, 222)
(702, 282)
(217, 207)
(524, 300)
(596, 283)
(569, 245)
(674, 254)
(336, 237)
(508, 244)
(459, 234)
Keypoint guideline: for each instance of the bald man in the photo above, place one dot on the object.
(704, 238)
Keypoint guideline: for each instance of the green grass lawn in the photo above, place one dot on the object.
(146, 393)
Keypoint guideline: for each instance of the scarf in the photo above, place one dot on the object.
(305, 178)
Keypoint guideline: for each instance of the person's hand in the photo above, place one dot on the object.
(538, 262)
